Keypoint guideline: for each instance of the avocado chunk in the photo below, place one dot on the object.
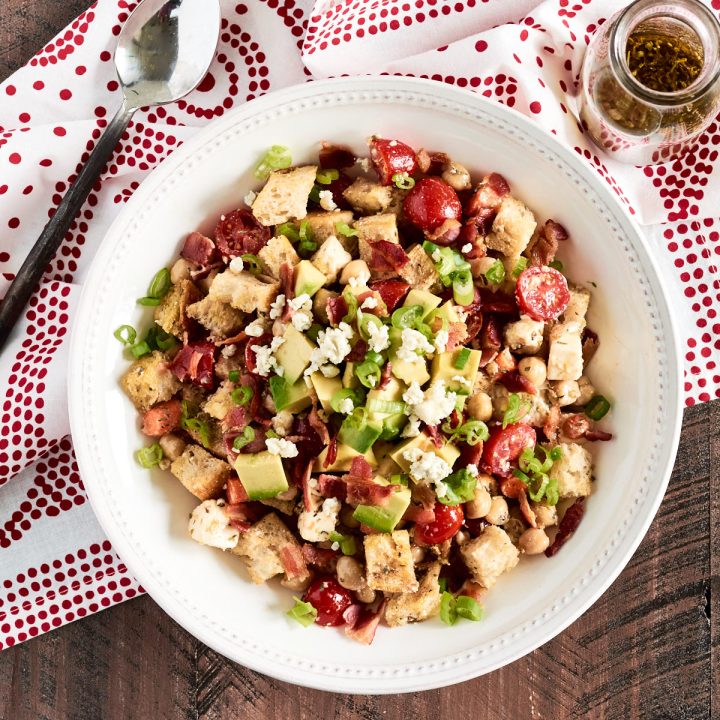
(350, 379)
(443, 368)
(384, 518)
(427, 300)
(294, 354)
(343, 460)
(292, 398)
(325, 389)
(447, 310)
(392, 425)
(448, 452)
(308, 279)
(378, 398)
(359, 434)
(262, 475)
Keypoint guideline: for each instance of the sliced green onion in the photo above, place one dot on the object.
(252, 262)
(400, 479)
(407, 317)
(150, 456)
(496, 273)
(125, 334)
(345, 230)
(234, 376)
(557, 265)
(277, 157)
(448, 613)
(368, 373)
(375, 357)
(522, 263)
(142, 348)
(403, 181)
(246, 437)
(325, 177)
(442, 582)
(339, 395)
(200, 427)
(302, 612)
(438, 315)
(346, 542)
(463, 288)
(462, 357)
(552, 494)
(289, 230)
(242, 395)
(468, 608)
(352, 304)
(315, 194)
(597, 408)
(556, 453)
(472, 432)
(148, 301)
(306, 248)
(158, 339)
(365, 322)
(447, 261)
(516, 410)
(160, 284)
(459, 488)
(390, 407)
(313, 331)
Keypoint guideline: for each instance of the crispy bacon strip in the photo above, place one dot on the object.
(568, 525)
(364, 624)
(324, 559)
(199, 249)
(546, 244)
(385, 256)
(293, 562)
(515, 383)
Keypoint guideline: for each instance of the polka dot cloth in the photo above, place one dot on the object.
(56, 564)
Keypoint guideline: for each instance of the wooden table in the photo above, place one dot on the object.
(645, 649)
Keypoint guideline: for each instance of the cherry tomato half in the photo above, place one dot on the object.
(448, 519)
(330, 600)
(542, 292)
(390, 157)
(430, 203)
(505, 445)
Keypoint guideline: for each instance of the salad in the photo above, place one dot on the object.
(372, 377)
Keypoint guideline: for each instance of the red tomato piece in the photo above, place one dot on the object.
(430, 203)
(505, 445)
(542, 293)
(330, 600)
(239, 232)
(448, 519)
(162, 418)
(390, 157)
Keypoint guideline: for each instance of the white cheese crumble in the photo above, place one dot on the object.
(472, 470)
(346, 406)
(228, 351)
(466, 248)
(265, 361)
(333, 345)
(379, 337)
(461, 380)
(442, 337)
(302, 318)
(412, 342)
(237, 265)
(329, 371)
(412, 429)
(426, 467)
(414, 394)
(250, 198)
(280, 446)
(462, 315)
(326, 200)
(282, 422)
(434, 405)
(209, 525)
(317, 526)
(369, 303)
(364, 163)
(256, 328)
(276, 309)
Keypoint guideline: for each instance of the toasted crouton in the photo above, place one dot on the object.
(577, 307)
(377, 227)
(525, 336)
(419, 605)
(278, 251)
(367, 196)
(512, 228)
(420, 272)
(200, 472)
(324, 224)
(228, 361)
(331, 258)
(149, 381)
(210, 525)
(489, 555)
(167, 313)
(573, 471)
(285, 195)
(389, 562)
(261, 545)
(220, 318)
(219, 404)
(244, 291)
(565, 358)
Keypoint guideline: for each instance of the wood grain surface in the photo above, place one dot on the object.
(648, 648)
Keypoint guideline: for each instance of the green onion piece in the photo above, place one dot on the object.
(442, 582)
(400, 479)
(306, 248)
(597, 408)
(407, 317)
(339, 395)
(242, 395)
(391, 407)
(367, 320)
(447, 261)
(346, 542)
(556, 453)
(472, 432)
(148, 301)
(368, 373)
(403, 181)
(438, 315)
(552, 495)
(315, 194)
(150, 456)
(253, 263)
(344, 229)
(196, 425)
(448, 613)
(375, 357)
(462, 358)
(352, 303)
(234, 376)
(425, 329)
(302, 612)
(522, 263)
(313, 331)
(158, 339)
(463, 288)
(125, 334)
(247, 436)
(459, 488)
(289, 230)
(536, 495)
(160, 284)
(495, 274)
(516, 410)
(557, 265)
(305, 233)
(468, 608)
(271, 434)
(277, 157)
(325, 177)
(141, 349)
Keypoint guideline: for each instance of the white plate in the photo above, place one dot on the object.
(145, 514)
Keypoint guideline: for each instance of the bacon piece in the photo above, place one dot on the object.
(318, 425)
(575, 426)
(293, 562)
(195, 363)
(391, 291)
(360, 469)
(496, 302)
(506, 361)
(310, 500)
(516, 383)
(470, 455)
(365, 624)
(386, 256)
(551, 426)
(256, 445)
(430, 162)
(526, 510)
(457, 335)
(331, 455)
(491, 335)
(433, 432)
(475, 526)
(235, 492)
(358, 352)
(190, 294)
(590, 344)
(337, 309)
(472, 589)
(489, 194)
(248, 512)
(162, 418)
(447, 233)
(484, 219)
(362, 492)
(287, 281)
(236, 419)
(487, 356)
(335, 157)
(250, 359)
(568, 525)
(511, 487)
(545, 246)
(593, 435)
(324, 559)
(239, 232)
(386, 375)
(199, 249)
(337, 188)
(332, 486)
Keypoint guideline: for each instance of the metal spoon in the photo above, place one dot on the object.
(163, 52)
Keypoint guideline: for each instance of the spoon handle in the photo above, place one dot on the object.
(52, 235)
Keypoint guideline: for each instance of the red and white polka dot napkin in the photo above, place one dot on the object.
(55, 563)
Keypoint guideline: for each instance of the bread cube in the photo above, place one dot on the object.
(389, 562)
(324, 224)
(331, 258)
(167, 313)
(573, 471)
(210, 525)
(260, 548)
(577, 307)
(368, 197)
(244, 291)
(565, 358)
(278, 251)
(525, 336)
(489, 555)
(149, 381)
(220, 318)
(285, 195)
(377, 227)
(200, 472)
(420, 272)
(512, 228)
(229, 359)
(219, 404)
(415, 606)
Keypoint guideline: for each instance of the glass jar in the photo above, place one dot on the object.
(635, 123)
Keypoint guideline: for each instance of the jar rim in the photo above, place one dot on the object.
(635, 13)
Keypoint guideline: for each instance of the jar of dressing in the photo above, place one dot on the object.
(650, 80)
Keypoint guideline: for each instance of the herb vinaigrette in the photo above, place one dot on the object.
(662, 62)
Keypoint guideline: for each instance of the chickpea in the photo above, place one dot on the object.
(180, 271)
(498, 513)
(320, 301)
(567, 392)
(480, 505)
(418, 554)
(534, 369)
(355, 269)
(479, 406)
(297, 584)
(533, 541)
(172, 446)
(456, 176)
(365, 594)
(349, 573)
(347, 519)
(514, 527)
(586, 391)
(545, 515)
(488, 482)
(206, 282)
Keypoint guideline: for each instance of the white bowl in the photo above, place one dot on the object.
(145, 513)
